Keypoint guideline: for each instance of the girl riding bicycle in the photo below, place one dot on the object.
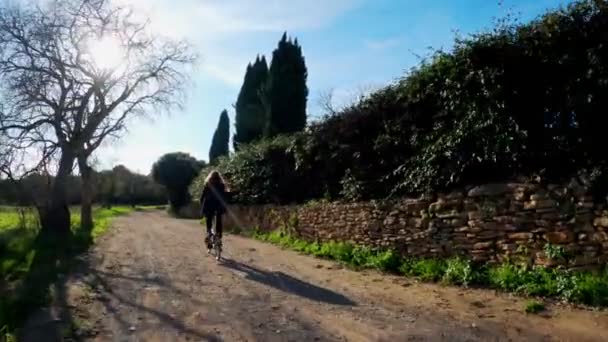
(213, 201)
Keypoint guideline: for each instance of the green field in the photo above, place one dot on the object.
(29, 263)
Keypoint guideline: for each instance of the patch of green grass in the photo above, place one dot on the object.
(458, 271)
(150, 207)
(30, 262)
(430, 270)
(506, 277)
(586, 287)
(534, 307)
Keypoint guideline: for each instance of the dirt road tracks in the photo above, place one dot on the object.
(149, 279)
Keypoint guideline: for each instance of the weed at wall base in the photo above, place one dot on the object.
(584, 287)
(534, 307)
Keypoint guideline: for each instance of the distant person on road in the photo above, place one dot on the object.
(213, 204)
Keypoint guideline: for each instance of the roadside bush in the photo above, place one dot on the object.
(176, 171)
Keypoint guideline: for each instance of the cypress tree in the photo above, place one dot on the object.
(286, 92)
(250, 119)
(221, 137)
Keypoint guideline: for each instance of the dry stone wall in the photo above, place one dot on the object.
(489, 223)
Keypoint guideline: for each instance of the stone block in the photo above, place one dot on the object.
(476, 215)
(539, 204)
(601, 222)
(488, 235)
(450, 214)
(559, 237)
(539, 196)
(520, 236)
(489, 190)
(507, 227)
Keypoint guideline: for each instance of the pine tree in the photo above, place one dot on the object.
(221, 137)
(250, 119)
(286, 91)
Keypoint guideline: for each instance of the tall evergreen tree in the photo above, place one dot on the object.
(286, 91)
(250, 119)
(221, 137)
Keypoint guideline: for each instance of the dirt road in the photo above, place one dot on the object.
(149, 279)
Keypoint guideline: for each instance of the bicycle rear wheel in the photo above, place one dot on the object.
(217, 246)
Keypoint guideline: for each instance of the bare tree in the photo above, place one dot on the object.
(328, 104)
(64, 100)
(325, 101)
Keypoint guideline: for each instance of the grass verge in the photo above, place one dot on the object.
(582, 287)
(31, 262)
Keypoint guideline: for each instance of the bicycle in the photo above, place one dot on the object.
(216, 246)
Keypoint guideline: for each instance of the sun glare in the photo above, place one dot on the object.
(106, 53)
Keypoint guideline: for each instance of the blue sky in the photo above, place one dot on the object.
(350, 46)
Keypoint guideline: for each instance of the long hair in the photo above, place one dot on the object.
(214, 178)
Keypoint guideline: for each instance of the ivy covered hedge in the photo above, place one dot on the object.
(519, 100)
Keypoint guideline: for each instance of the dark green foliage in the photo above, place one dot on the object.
(176, 171)
(250, 119)
(286, 92)
(516, 100)
(116, 186)
(221, 137)
(519, 100)
(259, 173)
(578, 287)
(122, 186)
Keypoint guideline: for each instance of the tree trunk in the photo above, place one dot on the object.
(86, 212)
(55, 217)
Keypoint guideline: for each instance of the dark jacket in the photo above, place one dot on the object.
(213, 199)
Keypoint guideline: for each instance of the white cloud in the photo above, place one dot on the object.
(208, 17)
(382, 44)
(136, 155)
(230, 75)
(271, 15)
(212, 26)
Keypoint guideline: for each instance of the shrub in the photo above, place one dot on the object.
(176, 171)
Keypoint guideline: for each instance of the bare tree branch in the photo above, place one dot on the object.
(60, 101)
(52, 84)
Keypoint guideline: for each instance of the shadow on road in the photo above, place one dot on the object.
(289, 284)
(99, 281)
